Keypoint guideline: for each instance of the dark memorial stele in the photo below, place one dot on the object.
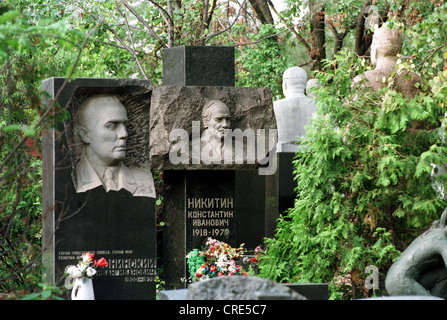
(118, 224)
(198, 66)
(210, 208)
(205, 193)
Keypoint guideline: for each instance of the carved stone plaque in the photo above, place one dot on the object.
(85, 208)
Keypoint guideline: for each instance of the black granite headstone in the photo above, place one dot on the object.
(201, 201)
(227, 205)
(286, 182)
(210, 207)
(115, 225)
(312, 291)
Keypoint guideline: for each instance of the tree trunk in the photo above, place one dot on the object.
(363, 36)
(362, 40)
(262, 11)
(317, 26)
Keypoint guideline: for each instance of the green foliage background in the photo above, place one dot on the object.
(58, 38)
(364, 182)
(26, 57)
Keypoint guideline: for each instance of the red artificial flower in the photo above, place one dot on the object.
(101, 262)
(244, 273)
(212, 268)
(238, 268)
(220, 274)
(198, 274)
(89, 256)
(253, 259)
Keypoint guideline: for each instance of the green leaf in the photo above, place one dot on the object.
(12, 127)
(46, 294)
(32, 296)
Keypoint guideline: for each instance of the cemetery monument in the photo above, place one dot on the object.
(385, 47)
(212, 142)
(292, 115)
(101, 126)
(421, 270)
(98, 191)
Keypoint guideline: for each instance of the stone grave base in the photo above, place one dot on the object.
(247, 288)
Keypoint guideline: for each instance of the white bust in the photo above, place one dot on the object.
(311, 84)
(293, 112)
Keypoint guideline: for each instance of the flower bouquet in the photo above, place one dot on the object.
(253, 261)
(82, 274)
(86, 267)
(217, 259)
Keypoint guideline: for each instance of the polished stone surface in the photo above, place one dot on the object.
(198, 66)
(114, 224)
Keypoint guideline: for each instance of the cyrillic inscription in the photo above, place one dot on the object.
(209, 217)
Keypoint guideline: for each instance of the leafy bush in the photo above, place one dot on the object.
(364, 177)
(24, 61)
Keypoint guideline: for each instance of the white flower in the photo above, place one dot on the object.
(75, 272)
(204, 277)
(232, 266)
(71, 270)
(222, 262)
(90, 272)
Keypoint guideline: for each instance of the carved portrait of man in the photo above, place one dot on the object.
(101, 126)
(216, 121)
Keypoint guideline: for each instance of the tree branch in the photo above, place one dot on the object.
(421, 64)
(260, 40)
(171, 37)
(291, 28)
(50, 106)
(132, 51)
(229, 27)
(168, 18)
(261, 8)
(148, 27)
